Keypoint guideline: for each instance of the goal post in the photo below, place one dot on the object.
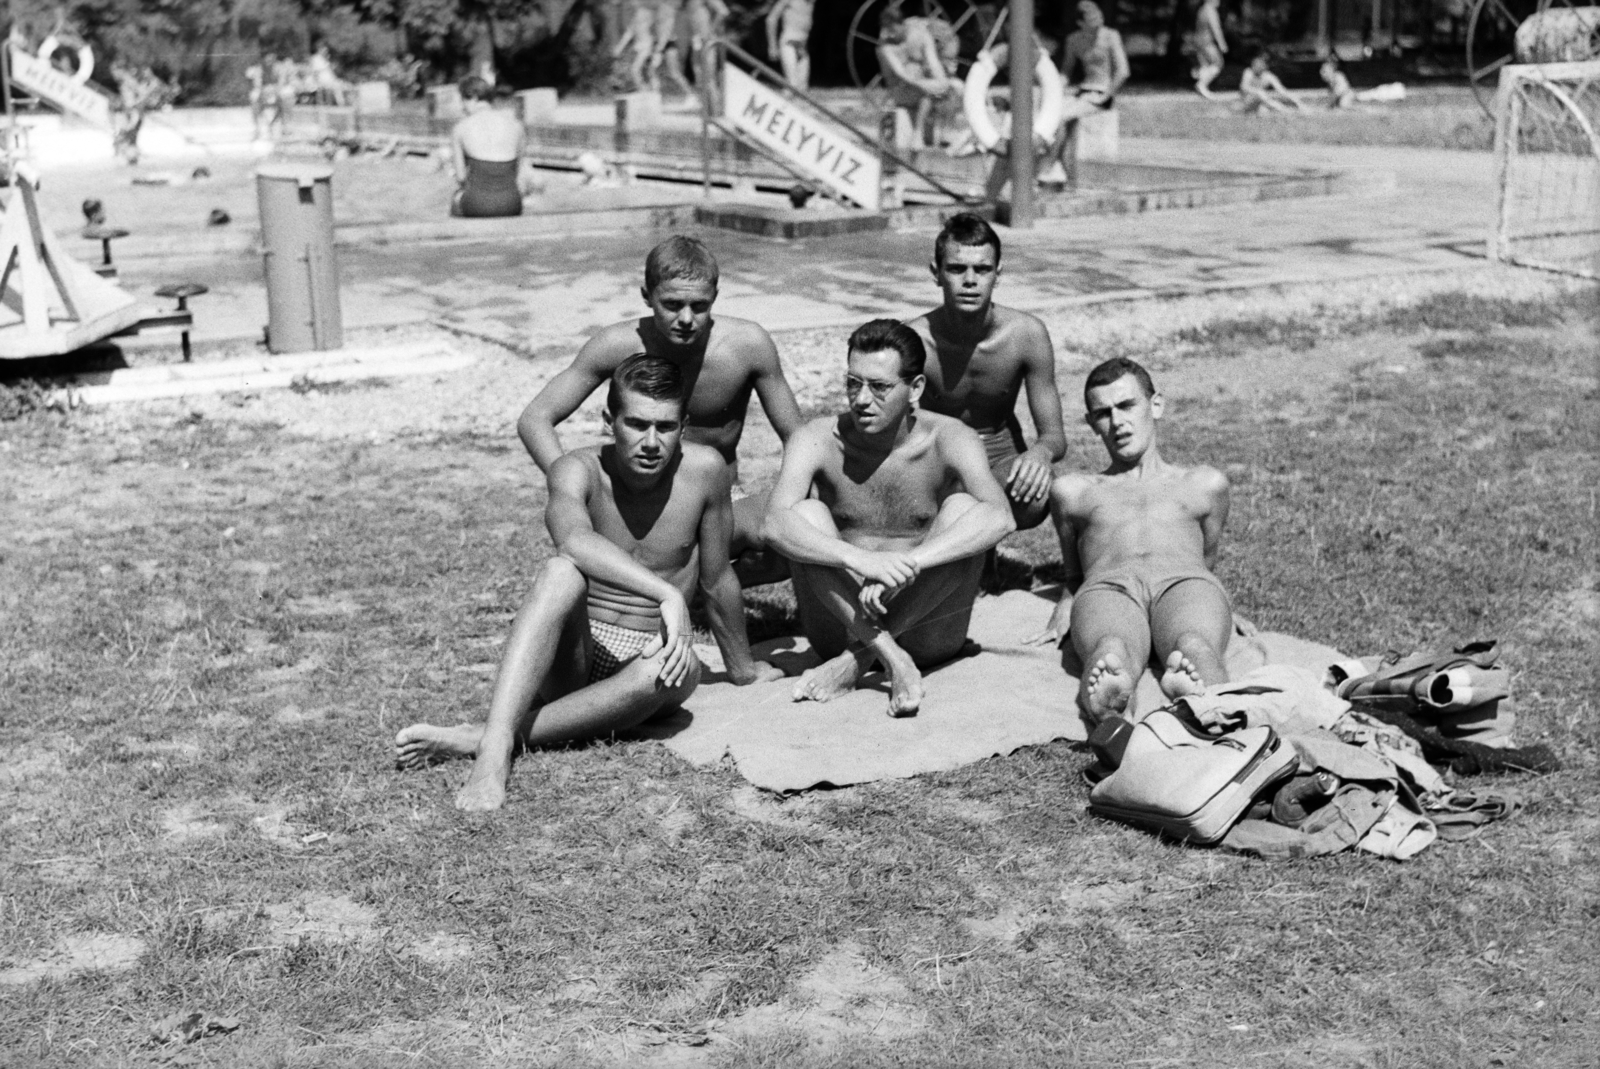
(1547, 167)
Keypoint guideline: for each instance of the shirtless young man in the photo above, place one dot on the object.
(886, 556)
(668, 56)
(983, 354)
(789, 39)
(1137, 543)
(722, 360)
(1210, 45)
(602, 642)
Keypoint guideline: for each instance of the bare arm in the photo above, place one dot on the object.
(1030, 474)
(724, 599)
(1064, 510)
(559, 399)
(774, 19)
(981, 527)
(1119, 63)
(777, 399)
(790, 534)
(567, 519)
(1216, 518)
(458, 155)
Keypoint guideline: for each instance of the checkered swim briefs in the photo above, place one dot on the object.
(614, 646)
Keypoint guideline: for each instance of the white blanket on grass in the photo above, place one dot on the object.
(992, 703)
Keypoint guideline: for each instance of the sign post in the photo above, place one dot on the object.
(803, 138)
(1022, 160)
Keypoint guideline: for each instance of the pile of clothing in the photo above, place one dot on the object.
(1283, 763)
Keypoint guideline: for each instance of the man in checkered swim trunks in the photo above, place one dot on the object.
(602, 642)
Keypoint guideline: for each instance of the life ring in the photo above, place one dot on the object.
(975, 100)
(54, 44)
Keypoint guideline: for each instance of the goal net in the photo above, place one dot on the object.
(1547, 155)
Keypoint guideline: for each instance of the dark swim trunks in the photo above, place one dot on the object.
(1145, 592)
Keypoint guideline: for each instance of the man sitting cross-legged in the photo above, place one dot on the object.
(1137, 544)
(602, 642)
(886, 556)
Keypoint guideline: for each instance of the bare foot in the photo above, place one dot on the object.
(485, 789)
(905, 680)
(1110, 687)
(1181, 678)
(830, 679)
(421, 745)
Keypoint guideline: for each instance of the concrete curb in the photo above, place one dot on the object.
(265, 373)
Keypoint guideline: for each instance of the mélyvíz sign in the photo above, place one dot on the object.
(45, 82)
(804, 138)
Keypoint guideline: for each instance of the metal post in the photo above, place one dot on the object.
(705, 125)
(1022, 161)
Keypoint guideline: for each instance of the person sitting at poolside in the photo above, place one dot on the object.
(1260, 89)
(983, 355)
(486, 152)
(885, 514)
(915, 74)
(1138, 542)
(602, 642)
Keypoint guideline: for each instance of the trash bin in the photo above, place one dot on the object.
(302, 275)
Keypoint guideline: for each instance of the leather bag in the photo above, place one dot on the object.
(1176, 779)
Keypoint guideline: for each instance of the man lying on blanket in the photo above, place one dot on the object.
(1137, 545)
(887, 554)
(602, 642)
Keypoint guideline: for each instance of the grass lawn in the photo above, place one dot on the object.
(211, 628)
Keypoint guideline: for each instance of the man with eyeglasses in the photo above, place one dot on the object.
(884, 513)
(983, 355)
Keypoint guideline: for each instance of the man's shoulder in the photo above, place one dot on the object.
(1204, 477)
(614, 344)
(946, 428)
(700, 463)
(740, 336)
(1015, 320)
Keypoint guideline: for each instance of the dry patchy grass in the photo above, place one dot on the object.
(212, 629)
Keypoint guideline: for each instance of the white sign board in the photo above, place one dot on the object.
(804, 138)
(50, 85)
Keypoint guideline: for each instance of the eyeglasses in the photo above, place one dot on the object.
(880, 390)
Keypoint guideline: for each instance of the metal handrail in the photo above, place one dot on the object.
(782, 85)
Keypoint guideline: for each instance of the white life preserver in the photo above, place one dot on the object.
(54, 44)
(975, 100)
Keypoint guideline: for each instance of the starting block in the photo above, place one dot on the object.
(51, 304)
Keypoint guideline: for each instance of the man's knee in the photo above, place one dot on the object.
(559, 577)
(642, 674)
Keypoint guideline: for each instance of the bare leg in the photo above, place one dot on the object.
(551, 622)
(1189, 628)
(1112, 638)
(925, 625)
(553, 616)
(753, 562)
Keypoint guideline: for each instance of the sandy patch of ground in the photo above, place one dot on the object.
(844, 997)
(441, 948)
(323, 919)
(189, 821)
(76, 954)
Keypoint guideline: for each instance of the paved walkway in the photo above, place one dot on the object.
(542, 296)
